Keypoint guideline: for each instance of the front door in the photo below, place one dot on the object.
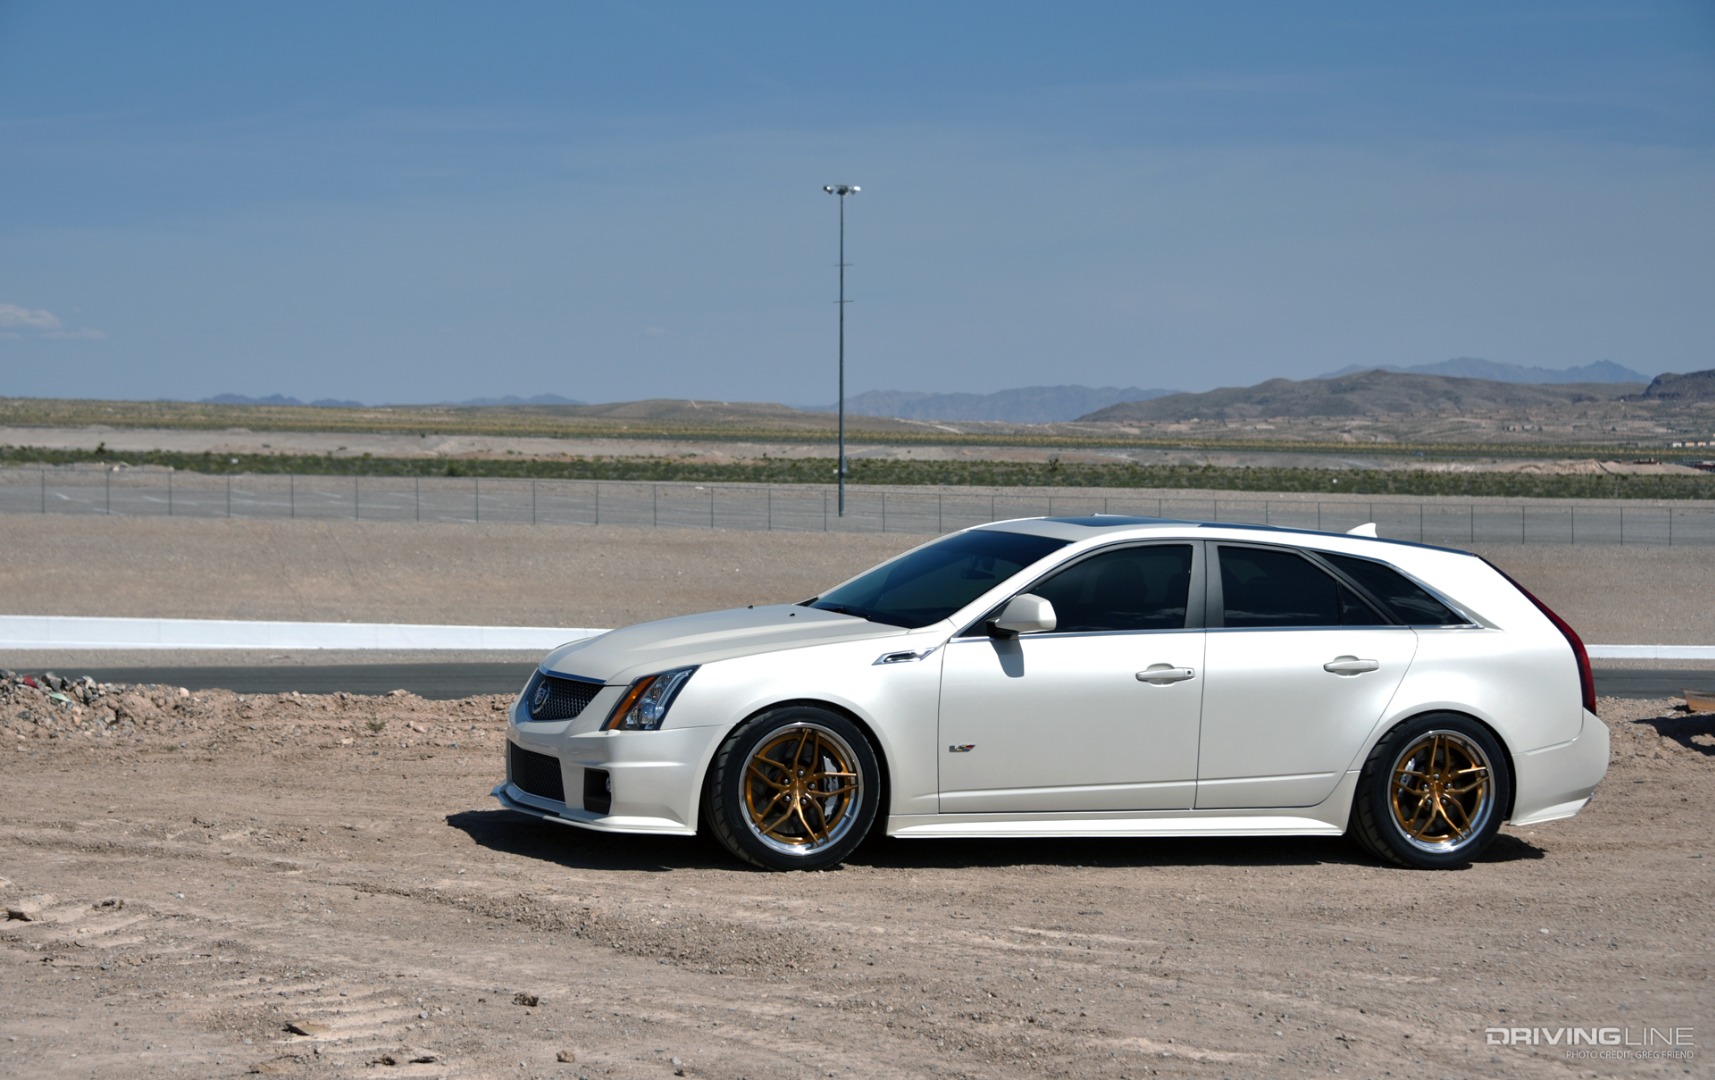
(1099, 714)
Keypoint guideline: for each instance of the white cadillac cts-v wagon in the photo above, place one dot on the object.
(1090, 676)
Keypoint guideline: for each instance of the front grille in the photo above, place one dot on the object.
(551, 698)
(537, 774)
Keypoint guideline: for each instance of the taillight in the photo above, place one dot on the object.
(1586, 676)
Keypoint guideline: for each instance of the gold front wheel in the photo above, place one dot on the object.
(800, 788)
(795, 789)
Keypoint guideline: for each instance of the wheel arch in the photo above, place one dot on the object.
(1383, 731)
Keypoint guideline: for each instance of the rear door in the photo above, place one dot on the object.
(1300, 668)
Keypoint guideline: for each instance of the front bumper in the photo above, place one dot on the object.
(652, 781)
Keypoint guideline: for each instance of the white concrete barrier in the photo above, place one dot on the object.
(38, 632)
(61, 632)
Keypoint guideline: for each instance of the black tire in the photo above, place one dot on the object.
(795, 788)
(1433, 793)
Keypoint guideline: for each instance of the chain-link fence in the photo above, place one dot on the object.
(814, 508)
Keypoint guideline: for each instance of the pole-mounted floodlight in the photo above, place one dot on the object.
(842, 190)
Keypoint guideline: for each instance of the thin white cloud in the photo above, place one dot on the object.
(14, 317)
(17, 321)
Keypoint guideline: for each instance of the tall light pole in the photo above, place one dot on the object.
(842, 190)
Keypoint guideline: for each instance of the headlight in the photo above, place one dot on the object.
(645, 705)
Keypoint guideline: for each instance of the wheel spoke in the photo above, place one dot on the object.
(762, 814)
(773, 828)
(756, 771)
(1454, 804)
(811, 833)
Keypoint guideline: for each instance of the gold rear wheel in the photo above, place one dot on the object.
(1433, 793)
(1441, 791)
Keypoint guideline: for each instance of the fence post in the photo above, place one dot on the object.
(824, 511)
(532, 502)
(418, 489)
(228, 494)
(45, 489)
(357, 498)
(478, 498)
(1420, 523)
(1670, 526)
(1521, 523)
(939, 516)
(654, 506)
(107, 471)
(598, 502)
(884, 510)
(1472, 510)
(1575, 525)
(1318, 515)
(1622, 523)
(770, 493)
(292, 493)
(711, 506)
(170, 499)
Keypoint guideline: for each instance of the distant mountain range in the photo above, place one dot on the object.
(279, 399)
(1697, 386)
(334, 403)
(1367, 393)
(1471, 367)
(1027, 405)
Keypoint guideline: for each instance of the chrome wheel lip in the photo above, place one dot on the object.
(853, 800)
(1479, 817)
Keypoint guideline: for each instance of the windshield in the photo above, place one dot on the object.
(929, 584)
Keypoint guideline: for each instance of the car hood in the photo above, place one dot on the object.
(621, 655)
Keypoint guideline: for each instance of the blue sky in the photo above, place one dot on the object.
(416, 201)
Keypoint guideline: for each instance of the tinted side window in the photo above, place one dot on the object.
(1140, 588)
(1279, 588)
(1408, 601)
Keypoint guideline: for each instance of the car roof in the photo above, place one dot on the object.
(1094, 526)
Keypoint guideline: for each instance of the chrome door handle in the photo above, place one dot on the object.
(1350, 665)
(1162, 674)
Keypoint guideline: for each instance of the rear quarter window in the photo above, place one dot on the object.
(1407, 599)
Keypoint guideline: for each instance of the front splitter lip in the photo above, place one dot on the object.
(512, 798)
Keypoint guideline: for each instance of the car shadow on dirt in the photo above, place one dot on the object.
(1144, 852)
(1694, 731)
(520, 834)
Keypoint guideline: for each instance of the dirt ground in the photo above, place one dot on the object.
(302, 886)
(216, 886)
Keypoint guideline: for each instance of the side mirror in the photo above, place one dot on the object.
(1025, 613)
